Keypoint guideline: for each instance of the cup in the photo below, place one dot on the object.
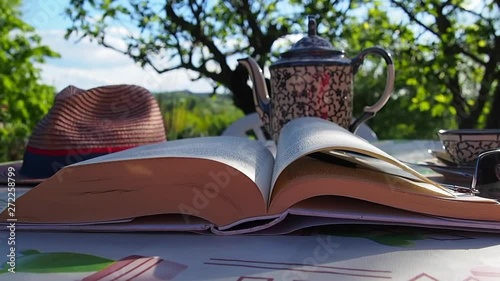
(465, 145)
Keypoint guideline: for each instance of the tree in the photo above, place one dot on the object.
(23, 99)
(360, 25)
(460, 55)
(198, 35)
(206, 36)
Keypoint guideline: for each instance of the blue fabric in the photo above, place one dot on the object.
(44, 166)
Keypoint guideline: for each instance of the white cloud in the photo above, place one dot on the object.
(285, 42)
(86, 64)
(473, 5)
(115, 34)
(176, 80)
(84, 54)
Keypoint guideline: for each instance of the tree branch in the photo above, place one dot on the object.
(493, 122)
(471, 56)
(443, 23)
(197, 32)
(254, 39)
(459, 103)
(471, 12)
(252, 20)
(412, 17)
(196, 12)
(490, 72)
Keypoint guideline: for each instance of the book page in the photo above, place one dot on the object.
(306, 135)
(375, 164)
(307, 169)
(310, 178)
(248, 156)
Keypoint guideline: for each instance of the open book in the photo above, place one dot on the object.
(321, 174)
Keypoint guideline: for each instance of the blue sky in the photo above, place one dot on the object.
(87, 65)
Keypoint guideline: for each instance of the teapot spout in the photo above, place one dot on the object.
(260, 94)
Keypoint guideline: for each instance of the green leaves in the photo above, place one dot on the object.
(23, 99)
(188, 116)
(445, 52)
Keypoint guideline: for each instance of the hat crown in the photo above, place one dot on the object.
(118, 115)
(83, 124)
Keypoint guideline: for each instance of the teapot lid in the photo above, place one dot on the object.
(312, 46)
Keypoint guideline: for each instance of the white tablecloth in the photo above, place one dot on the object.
(332, 253)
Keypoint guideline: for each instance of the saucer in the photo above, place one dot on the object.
(442, 164)
(450, 173)
(445, 159)
(442, 156)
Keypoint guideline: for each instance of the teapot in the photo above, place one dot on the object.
(313, 79)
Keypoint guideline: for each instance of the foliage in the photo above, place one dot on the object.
(403, 116)
(23, 99)
(190, 115)
(446, 55)
(443, 79)
(455, 52)
(446, 52)
(203, 36)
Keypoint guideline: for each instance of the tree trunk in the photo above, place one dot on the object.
(493, 121)
(242, 93)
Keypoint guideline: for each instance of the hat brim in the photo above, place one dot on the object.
(15, 176)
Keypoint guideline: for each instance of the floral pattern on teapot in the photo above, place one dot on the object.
(322, 91)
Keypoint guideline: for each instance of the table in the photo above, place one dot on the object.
(328, 253)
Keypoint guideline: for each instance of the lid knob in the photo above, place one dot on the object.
(311, 26)
(312, 46)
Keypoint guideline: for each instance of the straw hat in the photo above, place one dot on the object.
(84, 124)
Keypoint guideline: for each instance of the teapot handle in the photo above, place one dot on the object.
(370, 111)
